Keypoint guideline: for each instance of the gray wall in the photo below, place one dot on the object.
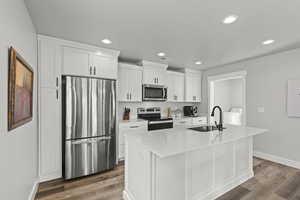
(18, 148)
(267, 87)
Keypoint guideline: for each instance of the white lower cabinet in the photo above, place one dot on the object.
(50, 135)
(127, 128)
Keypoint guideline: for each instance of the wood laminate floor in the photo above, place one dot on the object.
(271, 182)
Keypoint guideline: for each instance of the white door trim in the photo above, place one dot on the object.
(221, 77)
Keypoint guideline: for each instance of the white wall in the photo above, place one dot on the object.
(267, 87)
(18, 148)
(236, 92)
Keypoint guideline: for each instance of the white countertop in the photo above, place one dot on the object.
(180, 139)
(132, 121)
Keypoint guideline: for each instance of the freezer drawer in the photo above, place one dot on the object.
(88, 156)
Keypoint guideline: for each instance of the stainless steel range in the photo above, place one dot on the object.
(155, 121)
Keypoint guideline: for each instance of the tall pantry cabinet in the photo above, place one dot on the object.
(56, 58)
(49, 62)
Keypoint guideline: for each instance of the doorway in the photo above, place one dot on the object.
(229, 92)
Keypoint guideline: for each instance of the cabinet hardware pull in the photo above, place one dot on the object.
(94, 70)
(91, 70)
(56, 81)
(57, 94)
(133, 126)
(130, 96)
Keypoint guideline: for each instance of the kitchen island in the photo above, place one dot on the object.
(182, 164)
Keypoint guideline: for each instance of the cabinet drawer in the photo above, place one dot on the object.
(142, 125)
(183, 122)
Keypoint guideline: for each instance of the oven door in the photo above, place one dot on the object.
(154, 93)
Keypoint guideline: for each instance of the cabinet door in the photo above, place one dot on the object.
(189, 88)
(178, 81)
(49, 65)
(105, 67)
(134, 78)
(123, 84)
(197, 88)
(149, 76)
(171, 87)
(76, 62)
(161, 77)
(193, 88)
(50, 135)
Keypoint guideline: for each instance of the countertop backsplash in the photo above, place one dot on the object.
(163, 105)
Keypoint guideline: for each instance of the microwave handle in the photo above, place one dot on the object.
(165, 93)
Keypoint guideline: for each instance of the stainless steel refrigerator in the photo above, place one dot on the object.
(89, 126)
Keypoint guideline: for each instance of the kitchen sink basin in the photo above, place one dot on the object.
(205, 128)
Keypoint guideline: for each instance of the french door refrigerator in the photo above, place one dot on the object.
(89, 125)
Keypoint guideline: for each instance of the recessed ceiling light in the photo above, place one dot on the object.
(230, 19)
(267, 42)
(198, 63)
(99, 53)
(106, 41)
(161, 54)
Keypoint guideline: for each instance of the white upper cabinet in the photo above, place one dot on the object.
(81, 62)
(105, 66)
(175, 86)
(49, 62)
(77, 62)
(154, 73)
(193, 79)
(130, 83)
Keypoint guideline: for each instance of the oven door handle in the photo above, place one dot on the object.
(161, 122)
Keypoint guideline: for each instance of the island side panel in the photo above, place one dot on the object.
(138, 171)
(169, 179)
(204, 174)
(198, 175)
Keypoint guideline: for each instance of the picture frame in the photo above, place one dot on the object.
(20, 91)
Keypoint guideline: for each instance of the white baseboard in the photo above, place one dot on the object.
(127, 196)
(34, 190)
(229, 186)
(277, 159)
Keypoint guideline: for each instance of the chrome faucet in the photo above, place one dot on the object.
(220, 125)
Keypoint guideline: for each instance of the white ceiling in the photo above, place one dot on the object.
(186, 31)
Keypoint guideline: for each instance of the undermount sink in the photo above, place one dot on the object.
(205, 128)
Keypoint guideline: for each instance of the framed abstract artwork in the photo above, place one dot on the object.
(20, 91)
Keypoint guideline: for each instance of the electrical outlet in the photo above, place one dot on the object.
(261, 109)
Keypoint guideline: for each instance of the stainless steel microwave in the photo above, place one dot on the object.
(155, 93)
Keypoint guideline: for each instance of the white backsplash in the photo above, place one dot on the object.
(163, 105)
